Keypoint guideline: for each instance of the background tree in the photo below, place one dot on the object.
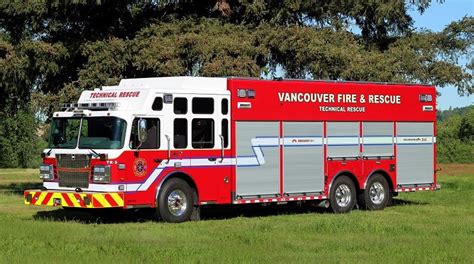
(52, 50)
(455, 136)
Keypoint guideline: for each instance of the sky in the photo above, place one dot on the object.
(435, 18)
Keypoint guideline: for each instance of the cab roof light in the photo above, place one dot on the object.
(168, 98)
(90, 106)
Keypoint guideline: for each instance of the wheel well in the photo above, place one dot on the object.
(184, 177)
(348, 174)
(385, 175)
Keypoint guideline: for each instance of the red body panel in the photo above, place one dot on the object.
(267, 106)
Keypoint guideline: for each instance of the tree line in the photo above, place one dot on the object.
(50, 51)
(455, 135)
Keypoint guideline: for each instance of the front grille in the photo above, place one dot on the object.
(73, 161)
(73, 170)
(73, 179)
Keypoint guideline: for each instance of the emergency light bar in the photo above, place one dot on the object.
(89, 106)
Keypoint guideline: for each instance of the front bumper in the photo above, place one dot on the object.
(74, 199)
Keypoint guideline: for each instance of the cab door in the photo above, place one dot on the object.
(147, 154)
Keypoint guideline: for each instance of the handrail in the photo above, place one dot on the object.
(169, 148)
(222, 148)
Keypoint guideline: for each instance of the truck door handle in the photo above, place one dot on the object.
(158, 160)
(212, 159)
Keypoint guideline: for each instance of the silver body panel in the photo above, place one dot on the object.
(258, 166)
(415, 161)
(343, 139)
(377, 139)
(303, 157)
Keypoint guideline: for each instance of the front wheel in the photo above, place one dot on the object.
(342, 195)
(376, 195)
(176, 201)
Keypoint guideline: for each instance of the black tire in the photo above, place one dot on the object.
(77, 209)
(342, 197)
(376, 195)
(180, 205)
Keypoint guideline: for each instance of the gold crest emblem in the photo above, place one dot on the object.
(139, 167)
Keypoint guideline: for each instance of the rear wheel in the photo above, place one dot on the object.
(376, 195)
(176, 201)
(342, 195)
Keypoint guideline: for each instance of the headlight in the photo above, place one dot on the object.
(46, 172)
(101, 174)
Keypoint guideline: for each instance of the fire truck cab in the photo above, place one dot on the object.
(176, 143)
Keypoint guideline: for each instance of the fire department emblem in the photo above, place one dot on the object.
(139, 167)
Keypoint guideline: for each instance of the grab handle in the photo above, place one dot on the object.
(222, 148)
(169, 148)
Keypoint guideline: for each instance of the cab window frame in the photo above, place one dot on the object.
(206, 133)
(203, 105)
(225, 132)
(157, 104)
(180, 101)
(181, 129)
(135, 144)
(225, 106)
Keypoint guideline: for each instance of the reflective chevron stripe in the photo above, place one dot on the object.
(69, 199)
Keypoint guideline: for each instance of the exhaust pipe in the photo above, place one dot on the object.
(324, 204)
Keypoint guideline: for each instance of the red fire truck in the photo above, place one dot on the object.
(176, 143)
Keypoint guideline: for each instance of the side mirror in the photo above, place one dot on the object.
(142, 135)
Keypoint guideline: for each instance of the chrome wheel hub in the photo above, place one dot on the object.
(177, 202)
(343, 195)
(377, 193)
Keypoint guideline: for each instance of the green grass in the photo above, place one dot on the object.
(421, 227)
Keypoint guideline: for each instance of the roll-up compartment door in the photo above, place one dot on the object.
(258, 158)
(303, 157)
(415, 153)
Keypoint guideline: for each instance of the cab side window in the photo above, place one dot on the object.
(180, 105)
(203, 133)
(157, 104)
(153, 134)
(225, 132)
(203, 105)
(180, 131)
(225, 106)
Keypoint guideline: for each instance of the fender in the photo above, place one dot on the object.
(383, 173)
(343, 172)
(183, 176)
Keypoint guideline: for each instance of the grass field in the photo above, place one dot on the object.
(422, 227)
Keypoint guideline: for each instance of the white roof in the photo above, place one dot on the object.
(182, 84)
(138, 94)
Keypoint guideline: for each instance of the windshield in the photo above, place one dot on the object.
(95, 133)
